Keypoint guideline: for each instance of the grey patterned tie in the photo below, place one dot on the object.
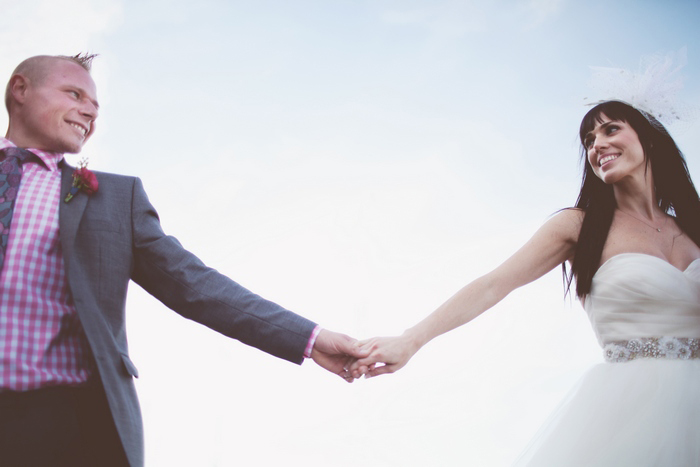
(11, 160)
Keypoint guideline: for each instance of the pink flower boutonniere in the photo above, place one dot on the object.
(83, 179)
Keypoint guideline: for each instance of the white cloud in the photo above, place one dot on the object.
(53, 27)
(447, 18)
(450, 19)
(540, 11)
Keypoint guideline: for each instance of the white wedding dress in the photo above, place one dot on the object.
(641, 407)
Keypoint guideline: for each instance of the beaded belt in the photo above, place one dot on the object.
(681, 348)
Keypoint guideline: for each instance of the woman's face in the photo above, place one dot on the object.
(614, 150)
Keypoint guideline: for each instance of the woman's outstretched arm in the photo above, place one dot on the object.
(550, 246)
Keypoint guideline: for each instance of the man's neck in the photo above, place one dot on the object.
(50, 159)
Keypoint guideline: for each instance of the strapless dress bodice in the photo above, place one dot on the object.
(635, 295)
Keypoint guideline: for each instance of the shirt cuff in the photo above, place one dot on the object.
(312, 341)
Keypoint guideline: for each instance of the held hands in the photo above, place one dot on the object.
(350, 359)
(392, 353)
(336, 352)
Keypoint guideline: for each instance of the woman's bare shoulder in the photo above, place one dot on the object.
(566, 224)
(570, 214)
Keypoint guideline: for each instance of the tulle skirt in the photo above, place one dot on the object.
(643, 412)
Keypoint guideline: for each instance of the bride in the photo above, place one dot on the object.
(631, 244)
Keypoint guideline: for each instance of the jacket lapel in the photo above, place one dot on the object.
(69, 214)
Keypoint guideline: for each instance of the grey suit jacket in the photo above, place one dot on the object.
(113, 236)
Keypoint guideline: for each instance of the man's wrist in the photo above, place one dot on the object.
(312, 341)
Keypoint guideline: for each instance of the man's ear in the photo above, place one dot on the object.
(18, 87)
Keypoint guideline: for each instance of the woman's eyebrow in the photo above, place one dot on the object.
(602, 125)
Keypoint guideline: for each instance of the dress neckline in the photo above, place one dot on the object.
(682, 271)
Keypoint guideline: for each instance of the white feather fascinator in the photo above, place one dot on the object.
(653, 89)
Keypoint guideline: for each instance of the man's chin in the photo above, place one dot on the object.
(69, 148)
(70, 145)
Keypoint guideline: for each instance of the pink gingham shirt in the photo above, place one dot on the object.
(42, 342)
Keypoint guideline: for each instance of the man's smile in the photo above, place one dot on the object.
(80, 127)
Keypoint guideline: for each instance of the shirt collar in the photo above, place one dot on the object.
(50, 159)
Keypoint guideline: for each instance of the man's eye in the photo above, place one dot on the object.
(74, 94)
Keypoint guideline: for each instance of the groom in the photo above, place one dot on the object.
(67, 395)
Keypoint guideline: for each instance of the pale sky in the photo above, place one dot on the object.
(357, 162)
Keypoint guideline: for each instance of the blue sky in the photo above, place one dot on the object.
(358, 162)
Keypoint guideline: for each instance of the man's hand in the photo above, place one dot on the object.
(336, 352)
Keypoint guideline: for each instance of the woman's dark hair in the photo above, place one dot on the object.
(674, 189)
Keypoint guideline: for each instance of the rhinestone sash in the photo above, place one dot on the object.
(681, 348)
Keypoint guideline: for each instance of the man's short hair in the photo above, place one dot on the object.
(83, 59)
(34, 68)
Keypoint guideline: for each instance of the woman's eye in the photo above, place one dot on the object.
(612, 129)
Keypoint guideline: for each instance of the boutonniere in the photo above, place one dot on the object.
(83, 180)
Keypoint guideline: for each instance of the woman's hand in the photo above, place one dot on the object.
(391, 353)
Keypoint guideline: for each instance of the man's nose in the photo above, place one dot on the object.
(89, 110)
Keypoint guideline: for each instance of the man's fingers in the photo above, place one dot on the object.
(364, 363)
(380, 370)
(359, 371)
(347, 376)
(354, 350)
(336, 343)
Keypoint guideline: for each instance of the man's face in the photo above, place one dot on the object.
(58, 112)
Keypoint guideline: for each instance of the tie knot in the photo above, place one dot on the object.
(22, 155)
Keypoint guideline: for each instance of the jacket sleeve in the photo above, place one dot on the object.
(185, 284)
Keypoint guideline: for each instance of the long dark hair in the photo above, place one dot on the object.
(674, 189)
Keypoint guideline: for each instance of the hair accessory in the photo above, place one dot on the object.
(652, 89)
